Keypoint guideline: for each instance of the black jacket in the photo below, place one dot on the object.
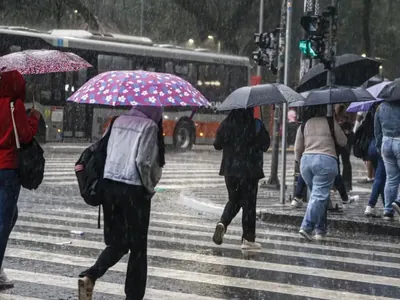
(242, 146)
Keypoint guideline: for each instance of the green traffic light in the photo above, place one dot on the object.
(306, 48)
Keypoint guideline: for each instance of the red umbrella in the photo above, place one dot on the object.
(42, 62)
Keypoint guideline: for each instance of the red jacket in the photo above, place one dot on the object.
(12, 86)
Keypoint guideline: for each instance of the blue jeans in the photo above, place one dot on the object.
(319, 172)
(391, 159)
(9, 192)
(378, 187)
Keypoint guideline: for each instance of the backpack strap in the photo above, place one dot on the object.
(331, 124)
(302, 126)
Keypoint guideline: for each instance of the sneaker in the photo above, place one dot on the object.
(5, 282)
(219, 233)
(305, 235)
(85, 288)
(246, 245)
(296, 203)
(396, 207)
(366, 180)
(370, 211)
(351, 200)
(389, 216)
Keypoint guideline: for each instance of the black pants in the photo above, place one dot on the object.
(242, 195)
(126, 222)
(347, 169)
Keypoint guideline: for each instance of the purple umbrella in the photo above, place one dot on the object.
(138, 88)
(366, 105)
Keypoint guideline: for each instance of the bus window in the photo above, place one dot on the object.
(111, 63)
(169, 67)
(237, 79)
(153, 64)
(15, 48)
(192, 73)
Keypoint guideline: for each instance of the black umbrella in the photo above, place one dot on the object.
(336, 95)
(373, 81)
(350, 70)
(391, 92)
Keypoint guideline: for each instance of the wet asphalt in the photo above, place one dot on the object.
(44, 257)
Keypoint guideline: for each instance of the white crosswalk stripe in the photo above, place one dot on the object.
(44, 258)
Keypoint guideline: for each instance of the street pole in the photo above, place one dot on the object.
(141, 16)
(260, 29)
(273, 180)
(332, 45)
(288, 37)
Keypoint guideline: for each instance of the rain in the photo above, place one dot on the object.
(199, 150)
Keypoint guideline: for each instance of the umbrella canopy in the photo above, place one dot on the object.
(42, 62)
(391, 92)
(350, 70)
(138, 88)
(258, 95)
(373, 81)
(336, 95)
(365, 106)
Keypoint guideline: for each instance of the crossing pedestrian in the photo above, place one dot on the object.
(315, 149)
(135, 157)
(12, 87)
(242, 162)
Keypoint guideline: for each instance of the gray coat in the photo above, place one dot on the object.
(132, 152)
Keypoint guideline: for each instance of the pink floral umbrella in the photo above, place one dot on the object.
(42, 62)
(138, 88)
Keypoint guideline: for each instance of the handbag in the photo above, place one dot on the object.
(31, 159)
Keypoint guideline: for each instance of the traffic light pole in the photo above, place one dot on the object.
(273, 181)
(288, 37)
(260, 29)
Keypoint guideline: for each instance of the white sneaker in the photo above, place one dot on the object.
(370, 211)
(246, 245)
(5, 282)
(319, 237)
(351, 200)
(296, 203)
(305, 235)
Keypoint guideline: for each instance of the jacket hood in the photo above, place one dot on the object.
(152, 112)
(12, 84)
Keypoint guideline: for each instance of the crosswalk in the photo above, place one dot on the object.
(44, 258)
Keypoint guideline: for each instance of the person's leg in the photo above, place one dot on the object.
(137, 217)
(249, 189)
(231, 208)
(306, 172)
(300, 188)
(347, 173)
(380, 178)
(392, 176)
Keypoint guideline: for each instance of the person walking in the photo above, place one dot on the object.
(242, 163)
(12, 88)
(316, 152)
(387, 136)
(135, 157)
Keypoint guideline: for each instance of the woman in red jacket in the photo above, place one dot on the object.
(12, 86)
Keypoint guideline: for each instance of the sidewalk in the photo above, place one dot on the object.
(270, 210)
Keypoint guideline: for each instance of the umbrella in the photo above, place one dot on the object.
(258, 95)
(373, 80)
(132, 88)
(391, 92)
(350, 70)
(42, 62)
(365, 106)
(336, 95)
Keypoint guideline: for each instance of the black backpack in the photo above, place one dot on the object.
(363, 136)
(89, 170)
(31, 159)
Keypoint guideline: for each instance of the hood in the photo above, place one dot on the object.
(152, 112)
(12, 84)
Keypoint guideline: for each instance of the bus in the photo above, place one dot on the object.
(214, 75)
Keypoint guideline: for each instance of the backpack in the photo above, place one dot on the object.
(332, 130)
(363, 137)
(89, 170)
(31, 159)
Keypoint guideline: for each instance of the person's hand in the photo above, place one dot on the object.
(35, 113)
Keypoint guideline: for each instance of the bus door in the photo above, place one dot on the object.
(77, 117)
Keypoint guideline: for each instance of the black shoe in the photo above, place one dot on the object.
(219, 233)
(389, 216)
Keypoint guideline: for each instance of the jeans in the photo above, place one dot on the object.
(319, 172)
(126, 222)
(378, 186)
(242, 195)
(391, 159)
(9, 192)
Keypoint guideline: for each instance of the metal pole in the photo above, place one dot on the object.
(260, 29)
(141, 16)
(284, 106)
(273, 180)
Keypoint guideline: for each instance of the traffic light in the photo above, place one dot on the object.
(266, 53)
